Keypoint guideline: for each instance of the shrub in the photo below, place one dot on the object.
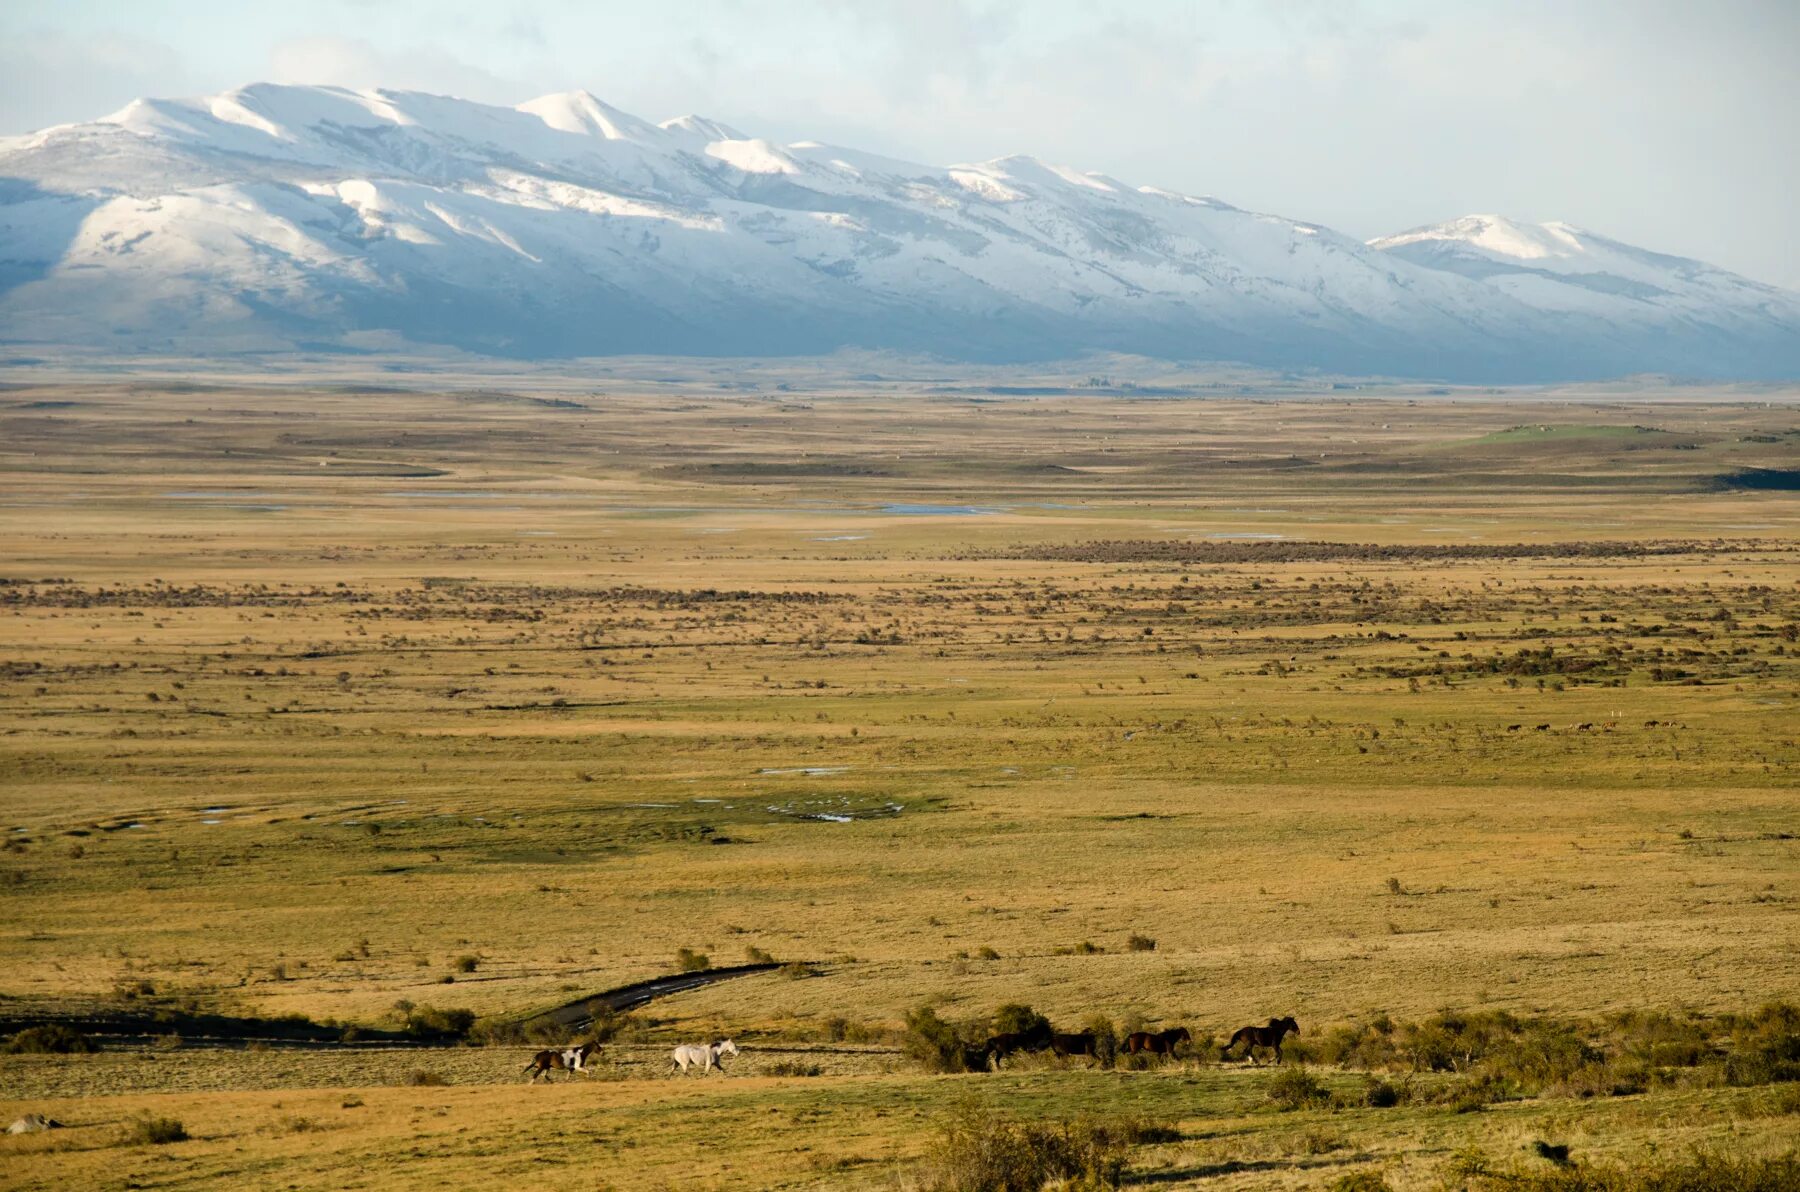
(755, 955)
(934, 1043)
(1140, 943)
(794, 970)
(689, 961)
(467, 964)
(987, 953)
(1015, 1018)
(1617, 1055)
(1704, 1172)
(1106, 1039)
(793, 1068)
(1380, 1094)
(422, 1078)
(1295, 1087)
(155, 1131)
(54, 1039)
(428, 1021)
(981, 1151)
(1363, 1180)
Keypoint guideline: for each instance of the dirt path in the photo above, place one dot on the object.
(579, 1015)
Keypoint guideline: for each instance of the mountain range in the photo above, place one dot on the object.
(275, 219)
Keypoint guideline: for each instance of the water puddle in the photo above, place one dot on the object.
(908, 509)
(835, 811)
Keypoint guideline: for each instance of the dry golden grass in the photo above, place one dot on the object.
(309, 695)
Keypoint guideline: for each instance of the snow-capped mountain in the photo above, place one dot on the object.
(274, 217)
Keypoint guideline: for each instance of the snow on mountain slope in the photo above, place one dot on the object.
(1616, 293)
(274, 217)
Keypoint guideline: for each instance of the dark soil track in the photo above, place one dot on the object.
(579, 1015)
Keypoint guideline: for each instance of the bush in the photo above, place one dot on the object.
(1017, 1019)
(1106, 1039)
(54, 1039)
(981, 1151)
(467, 964)
(1295, 1087)
(1380, 1094)
(422, 1078)
(934, 1043)
(755, 955)
(1364, 1180)
(793, 1068)
(1616, 1055)
(429, 1021)
(689, 961)
(155, 1131)
(1702, 1173)
(795, 970)
(1140, 943)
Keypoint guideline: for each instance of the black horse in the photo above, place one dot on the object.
(1261, 1036)
(1080, 1044)
(1037, 1038)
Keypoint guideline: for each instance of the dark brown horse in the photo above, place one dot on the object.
(568, 1059)
(1081, 1044)
(1034, 1038)
(1157, 1042)
(1001, 1046)
(1261, 1036)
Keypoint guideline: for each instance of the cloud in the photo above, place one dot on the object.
(52, 78)
(353, 62)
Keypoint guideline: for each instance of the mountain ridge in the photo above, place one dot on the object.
(276, 217)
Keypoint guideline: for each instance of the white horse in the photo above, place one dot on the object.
(707, 1055)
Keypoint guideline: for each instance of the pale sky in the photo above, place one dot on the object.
(1672, 124)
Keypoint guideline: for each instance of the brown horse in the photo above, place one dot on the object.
(569, 1059)
(1158, 1042)
(1261, 1036)
(1081, 1044)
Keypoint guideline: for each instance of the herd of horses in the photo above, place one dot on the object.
(710, 1057)
(1158, 1043)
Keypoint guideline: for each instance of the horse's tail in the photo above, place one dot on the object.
(1238, 1036)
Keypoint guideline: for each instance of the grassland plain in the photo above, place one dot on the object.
(333, 703)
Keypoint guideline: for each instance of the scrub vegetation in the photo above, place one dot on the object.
(345, 733)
